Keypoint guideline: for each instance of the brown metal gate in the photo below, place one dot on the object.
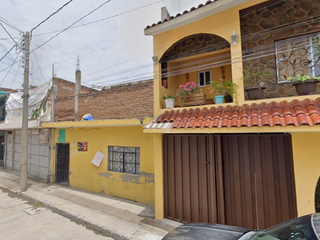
(213, 178)
(258, 179)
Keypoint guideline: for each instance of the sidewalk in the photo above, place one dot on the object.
(115, 217)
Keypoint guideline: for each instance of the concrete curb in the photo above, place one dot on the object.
(75, 218)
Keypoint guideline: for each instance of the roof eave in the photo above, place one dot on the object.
(197, 14)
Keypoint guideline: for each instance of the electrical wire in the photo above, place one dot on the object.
(102, 19)
(9, 70)
(10, 25)
(39, 66)
(11, 36)
(59, 9)
(7, 53)
(15, 75)
(72, 25)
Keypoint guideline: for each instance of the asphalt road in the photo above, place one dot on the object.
(20, 220)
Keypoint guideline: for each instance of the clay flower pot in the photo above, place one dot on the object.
(255, 93)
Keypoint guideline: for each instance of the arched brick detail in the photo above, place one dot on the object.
(193, 45)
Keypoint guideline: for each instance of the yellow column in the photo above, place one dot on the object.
(158, 172)
(305, 147)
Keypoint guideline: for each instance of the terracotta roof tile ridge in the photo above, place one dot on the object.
(162, 116)
(201, 118)
(168, 116)
(193, 118)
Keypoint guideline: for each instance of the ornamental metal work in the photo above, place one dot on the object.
(298, 56)
(124, 159)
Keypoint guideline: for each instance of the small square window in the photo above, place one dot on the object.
(204, 78)
(124, 159)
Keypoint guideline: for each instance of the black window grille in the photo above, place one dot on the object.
(298, 56)
(124, 159)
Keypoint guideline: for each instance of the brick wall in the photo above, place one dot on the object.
(125, 101)
(66, 88)
(262, 26)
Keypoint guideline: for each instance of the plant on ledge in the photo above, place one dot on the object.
(169, 99)
(304, 84)
(186, 91)
(253, 81)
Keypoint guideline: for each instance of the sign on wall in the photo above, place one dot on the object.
(83, 146)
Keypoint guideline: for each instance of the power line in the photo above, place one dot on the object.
(50, 16)
(39, 66)
(7, 52)
(10, 36)
(71, 25)
(102, 19)
(10, 25)
(15, 75)
(9, 70)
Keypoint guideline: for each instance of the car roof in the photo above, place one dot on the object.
(316, 224)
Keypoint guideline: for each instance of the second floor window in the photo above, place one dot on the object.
(204, 78)
(298, 56)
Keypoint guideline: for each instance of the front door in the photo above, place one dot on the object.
(62, 163)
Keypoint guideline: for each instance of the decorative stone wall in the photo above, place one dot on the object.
(267, 22)
(193, 45)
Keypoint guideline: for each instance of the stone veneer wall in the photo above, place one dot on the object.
(261, 26)
(193, 45)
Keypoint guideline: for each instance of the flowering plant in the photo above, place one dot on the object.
(186, 91)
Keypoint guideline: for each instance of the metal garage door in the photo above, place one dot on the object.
(241, 180)
(38, 154)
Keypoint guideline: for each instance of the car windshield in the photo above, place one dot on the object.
(298, 229)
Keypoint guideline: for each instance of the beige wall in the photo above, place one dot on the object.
(306, 159)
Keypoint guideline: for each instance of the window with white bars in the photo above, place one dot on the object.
(298, 56)
(124, 159)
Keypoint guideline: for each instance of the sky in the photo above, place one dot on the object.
(110, 42)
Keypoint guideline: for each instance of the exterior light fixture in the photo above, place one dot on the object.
(234, 38)
(155, 59)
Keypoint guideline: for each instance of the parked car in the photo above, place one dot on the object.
(302, 228)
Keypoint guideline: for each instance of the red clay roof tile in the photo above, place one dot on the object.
(296, 113)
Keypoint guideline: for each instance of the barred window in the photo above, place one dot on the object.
(298, 56)
(124, 159)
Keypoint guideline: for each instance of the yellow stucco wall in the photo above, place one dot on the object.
(84, 175)
(306, 159)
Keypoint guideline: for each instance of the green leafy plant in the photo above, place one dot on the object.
(253, 77)
(169, 97)
(231, 90)
(227, 88)
(186, 91)
(302, 78)
(219, 87)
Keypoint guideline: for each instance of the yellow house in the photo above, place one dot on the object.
(250, 162)
(104, 151)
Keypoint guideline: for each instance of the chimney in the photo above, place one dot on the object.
(164, 13)
(77, 90)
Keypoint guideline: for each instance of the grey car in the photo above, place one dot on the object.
(302, 228)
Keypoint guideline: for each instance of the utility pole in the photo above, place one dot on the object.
(24, 135)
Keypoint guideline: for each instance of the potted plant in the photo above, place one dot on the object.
(231, 91)
(253, 81)
(219, 87)
(169, 99)
(227, 90)
(304, 84)
(190, 94)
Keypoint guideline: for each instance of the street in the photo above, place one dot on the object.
(39, 223)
